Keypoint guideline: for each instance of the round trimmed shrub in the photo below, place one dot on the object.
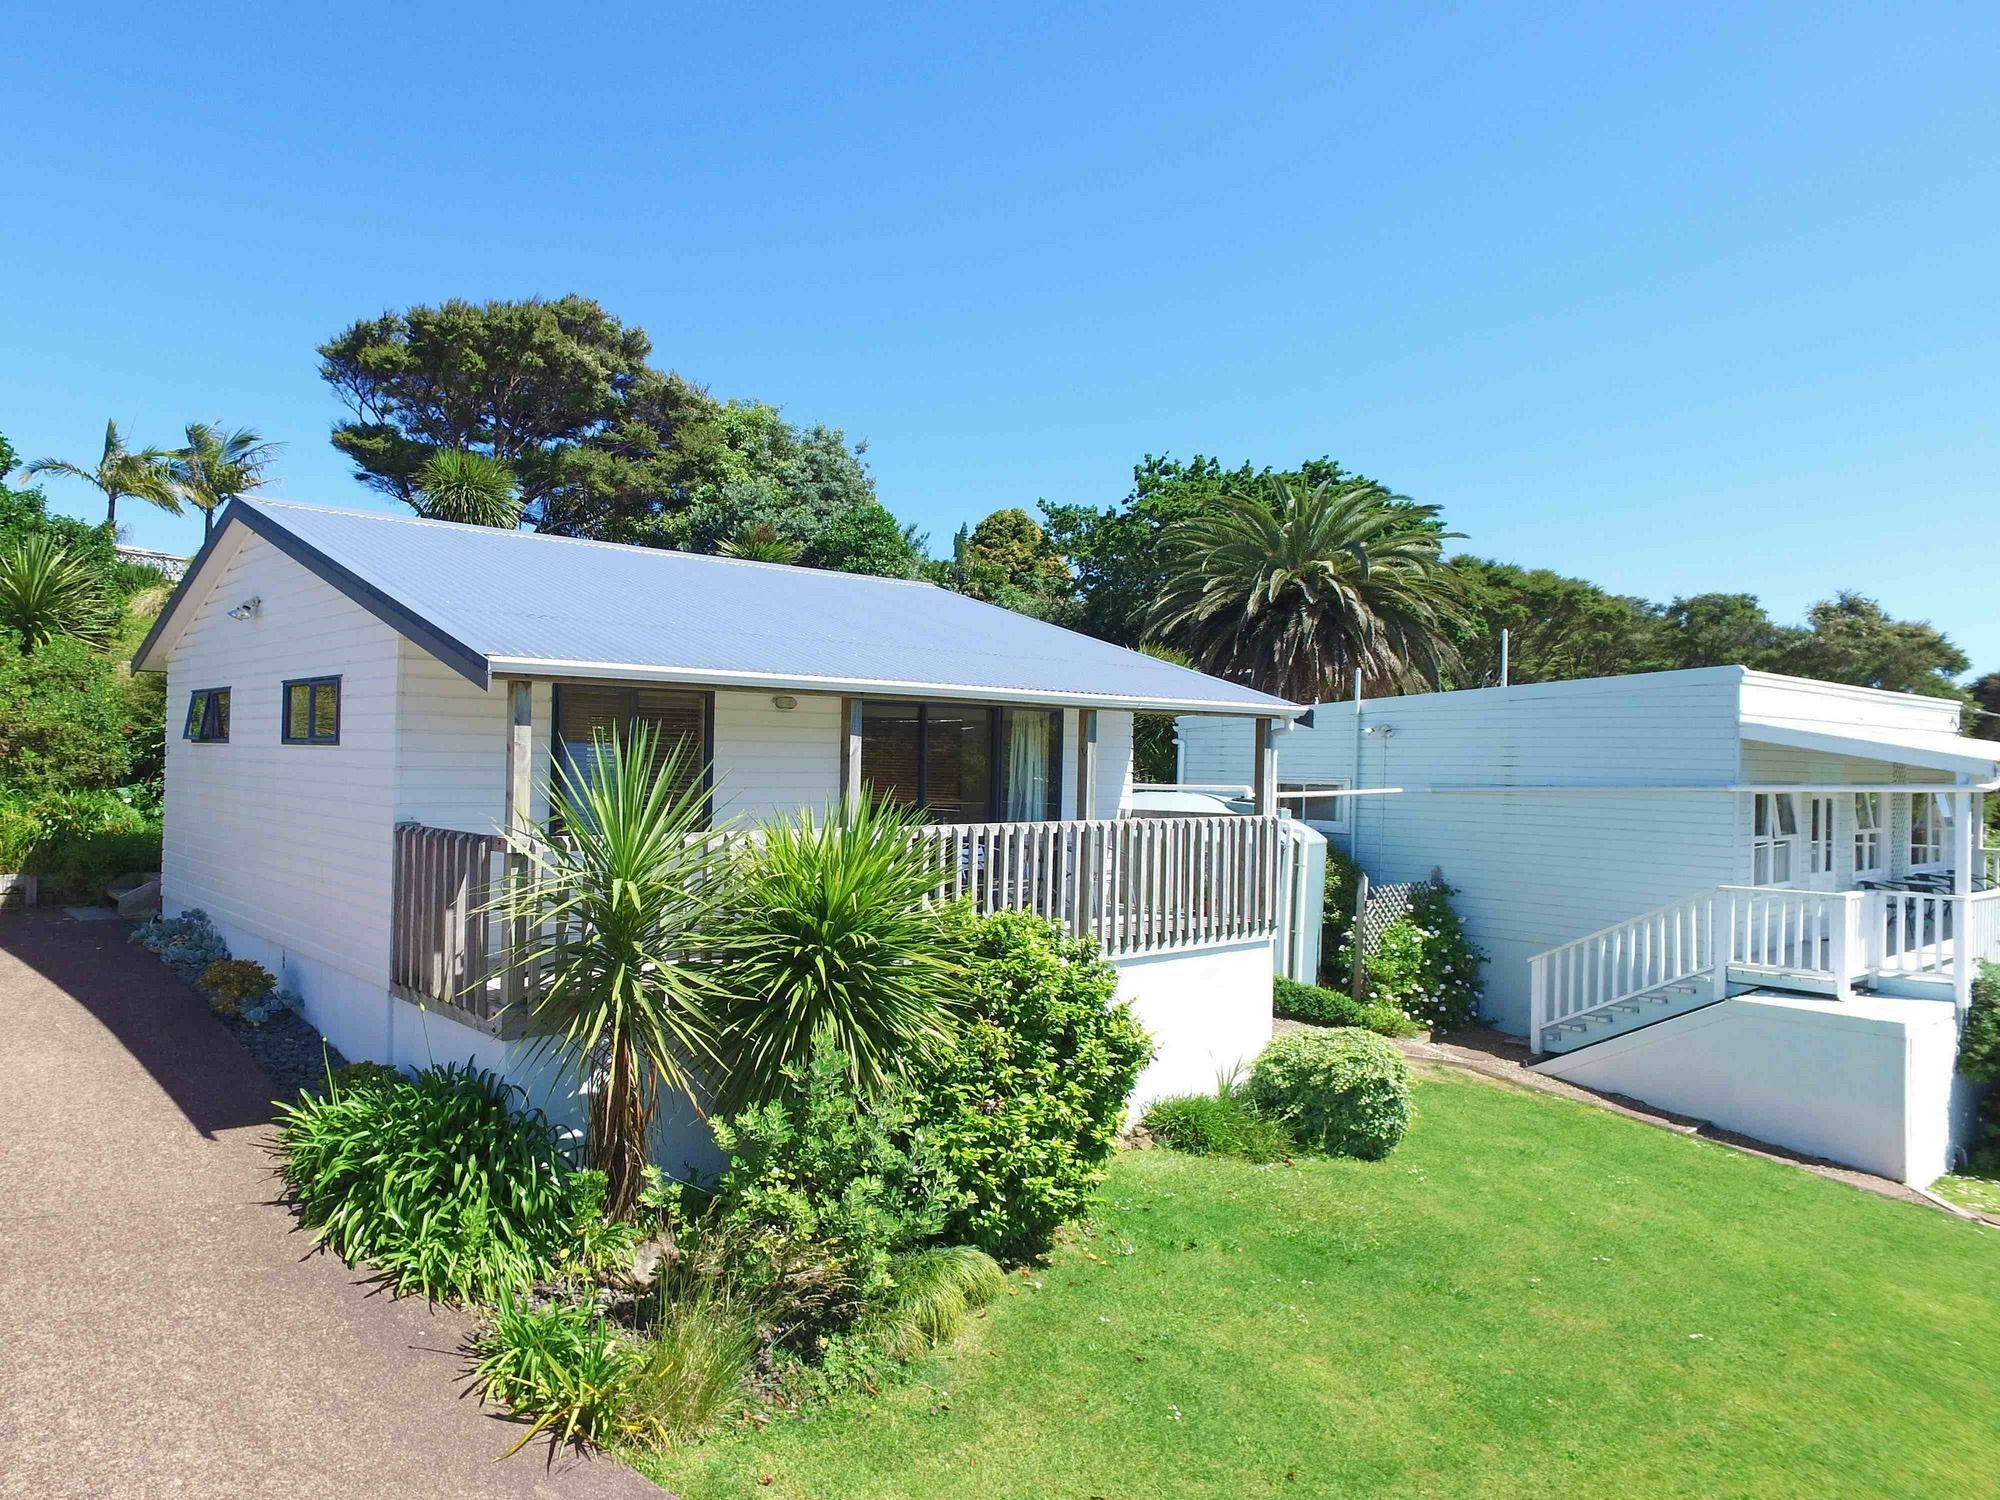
(1344, 1092)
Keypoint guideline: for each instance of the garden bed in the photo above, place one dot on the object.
(274, 1031)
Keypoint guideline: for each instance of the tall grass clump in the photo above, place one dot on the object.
(693, 1367)
(1219, 1124)
(930, 1293)
(562, 1365)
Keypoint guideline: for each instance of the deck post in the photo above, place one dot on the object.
(1264, 784)
(1086, 764)
(1084, 871)
(1357, 983)
(518, 823)
(850, 752)
(1963, 844)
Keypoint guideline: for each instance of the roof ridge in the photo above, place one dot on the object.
(266, 502)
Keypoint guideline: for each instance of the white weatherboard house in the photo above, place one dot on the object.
(359, 704)
(1755, 899)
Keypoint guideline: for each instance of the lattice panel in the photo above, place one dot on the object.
(1385, 904)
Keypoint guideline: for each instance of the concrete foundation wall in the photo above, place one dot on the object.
(1208, 1011)
(1867, 1082)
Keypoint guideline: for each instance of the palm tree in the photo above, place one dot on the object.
(216, 466)
(44, 592)
(615, 879)
(1294, 590)
(473, 489)
(760, 542)
(121, 473)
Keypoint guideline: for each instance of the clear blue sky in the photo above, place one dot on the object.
(1674, 299)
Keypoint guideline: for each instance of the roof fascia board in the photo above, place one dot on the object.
(447, 648)
(168, 624)
(536, 667)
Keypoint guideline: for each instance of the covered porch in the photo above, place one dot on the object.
(1030, 802)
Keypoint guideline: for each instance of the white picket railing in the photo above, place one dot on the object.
(1829, 938)
(1810, 934)
(1139, 885)
(1671, 944)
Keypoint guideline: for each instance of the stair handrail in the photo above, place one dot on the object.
(1560, 992)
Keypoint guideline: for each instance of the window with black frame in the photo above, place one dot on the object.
(964, 762)
(207, 717)
(311, 711)
(589, 717)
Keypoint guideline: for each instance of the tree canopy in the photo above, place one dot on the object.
(1008, 559)
(1558, 627)
(597, 442)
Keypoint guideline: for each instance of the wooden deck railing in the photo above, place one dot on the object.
(446, 944)
(1138, 885)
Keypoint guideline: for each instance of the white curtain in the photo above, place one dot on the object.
(1027, 766)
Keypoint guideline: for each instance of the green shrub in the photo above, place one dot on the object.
(561, 1364)
(1217, 1125)
(64, 718)
(79, 841)
(1336, 903)
(349, 1077)
(1328, 1007)
(1979, 1040)
(822, 1187)
(1424, 965)
(80, 869)
(1979, 1060)
(828, 936)
(1028, 1102)
(233, 983)
(1344, 1092)
(446, 1182)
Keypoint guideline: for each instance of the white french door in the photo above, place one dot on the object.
(1817, 873)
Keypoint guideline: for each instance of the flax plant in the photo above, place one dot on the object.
(830, 936)
(617, 891)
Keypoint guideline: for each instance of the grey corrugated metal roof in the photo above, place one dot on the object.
(500, 603)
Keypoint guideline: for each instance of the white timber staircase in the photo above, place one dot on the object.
(1688, 954)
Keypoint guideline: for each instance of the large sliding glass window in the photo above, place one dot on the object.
(589, 717)
(964, 763)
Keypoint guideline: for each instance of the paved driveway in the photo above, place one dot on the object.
(163, 1331)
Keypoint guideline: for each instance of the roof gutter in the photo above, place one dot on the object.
(538, 667)
(1731, 789)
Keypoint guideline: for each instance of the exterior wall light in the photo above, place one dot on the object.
(248, 609)
(784, 703)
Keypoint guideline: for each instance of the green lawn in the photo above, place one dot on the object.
(1529, 1298)
(1981, 1194)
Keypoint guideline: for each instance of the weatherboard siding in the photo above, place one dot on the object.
(287, 847)
(1533, 868)
(771, 762)
(451, 749)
